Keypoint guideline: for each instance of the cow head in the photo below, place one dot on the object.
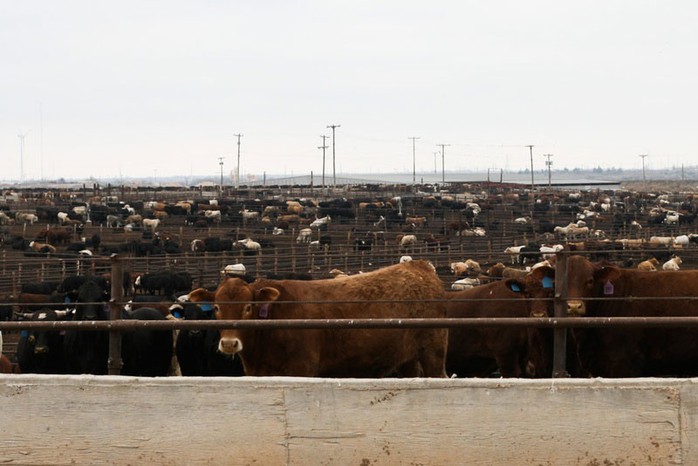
(237, 300)
(585, 279)
(537, 292)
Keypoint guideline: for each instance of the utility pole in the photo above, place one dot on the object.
(644, 179)
(443, 165)
(323, 147)
(21, 155)
(530, 149)
(237, 170)
(334, 173)
(414, 163)
(549, 164)
(220, 162)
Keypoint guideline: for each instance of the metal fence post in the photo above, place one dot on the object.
(115, 363)
(560, 304)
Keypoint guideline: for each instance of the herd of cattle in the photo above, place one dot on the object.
(617, 245)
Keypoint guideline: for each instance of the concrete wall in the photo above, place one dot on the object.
(276, 421)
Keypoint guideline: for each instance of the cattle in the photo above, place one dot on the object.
(42, 247)
(477, 232)
(214, 216)
(249, 245)
(406, 241)
(649, 265)
(146, 352)
(468, 267)
(596, 289)
(332, 352)
(72, 283)
(164, 282)
(660, 241)
(25, 217)
(514, 252)
(416, 221)
(197, 349)
(672, 264)
(304, 235)
(86, 351)
(41, 351)
(151, 223)
(506, 351)
(627, 243)
(465, 283)
(29, 302)
(363, 244)
(572, 231)
(294, 207)
(321, 222)
(682, 241)
(55, 236)
(5, 219)
(43, 287)
(134, 219)
(247, 215)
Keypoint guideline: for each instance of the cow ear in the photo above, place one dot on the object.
(202, 294)
(606, 273)
(543, 272)
(545, 275)
(517, 286)
(267, 294)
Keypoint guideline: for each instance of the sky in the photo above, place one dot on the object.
(155, 88)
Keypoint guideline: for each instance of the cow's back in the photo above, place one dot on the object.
(408, 290)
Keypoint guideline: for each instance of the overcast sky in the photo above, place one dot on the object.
(159, 88)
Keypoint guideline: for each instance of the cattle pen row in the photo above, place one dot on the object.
(555, 319)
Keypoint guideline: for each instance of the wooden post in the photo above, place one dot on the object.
(115, 363)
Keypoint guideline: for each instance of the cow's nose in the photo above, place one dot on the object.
(230, 345)
(576, 308)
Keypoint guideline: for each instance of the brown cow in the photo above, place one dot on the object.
(632, 352)
(513, 351)
(410, 289)
(55, 236)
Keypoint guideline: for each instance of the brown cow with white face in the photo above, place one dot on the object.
(513, 351)
(632, 352)
(407, 290)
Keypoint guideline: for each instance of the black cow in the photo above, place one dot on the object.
(166, 283)
(41, 352)
(146, 353)
(86, 351)
(47, 287)
(197, 350)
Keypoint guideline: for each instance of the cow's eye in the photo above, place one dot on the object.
(247, 311)
(217, 311)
